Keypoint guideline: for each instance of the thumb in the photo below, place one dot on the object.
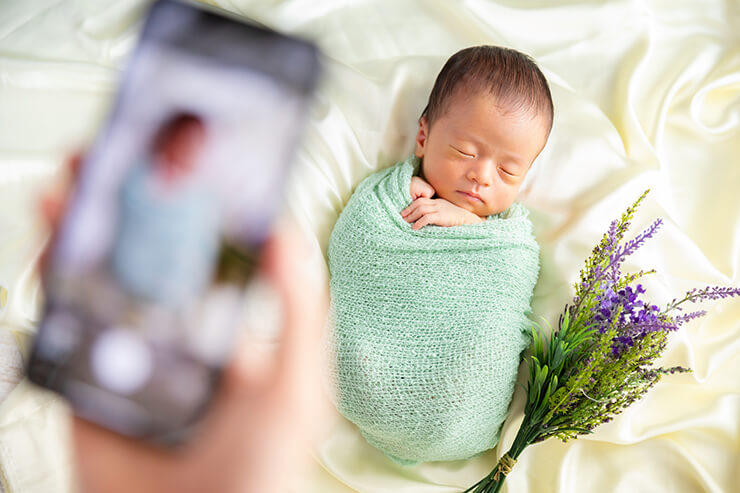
(249, 367)
(287, 265)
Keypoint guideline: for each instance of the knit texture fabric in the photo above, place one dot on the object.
(426, 328)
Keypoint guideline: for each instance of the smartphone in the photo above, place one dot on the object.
(148, 271)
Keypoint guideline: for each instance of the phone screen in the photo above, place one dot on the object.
(174, 199)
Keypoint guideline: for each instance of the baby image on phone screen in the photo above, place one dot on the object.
(168, 224)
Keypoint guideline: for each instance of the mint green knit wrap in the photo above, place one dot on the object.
(426, 327)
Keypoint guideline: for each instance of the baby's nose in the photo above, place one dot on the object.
(480, 174)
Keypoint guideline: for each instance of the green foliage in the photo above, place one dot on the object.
(627, 279)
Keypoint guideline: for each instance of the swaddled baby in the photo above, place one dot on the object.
(433, 265)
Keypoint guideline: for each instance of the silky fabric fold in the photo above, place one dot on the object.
(427, 325)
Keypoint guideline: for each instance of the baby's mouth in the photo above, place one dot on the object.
(471, 196)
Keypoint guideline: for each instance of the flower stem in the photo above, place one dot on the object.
(494, 481)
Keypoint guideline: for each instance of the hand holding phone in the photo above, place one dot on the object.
(171, 207)
(262, 412)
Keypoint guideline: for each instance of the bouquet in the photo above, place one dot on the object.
(599, 359)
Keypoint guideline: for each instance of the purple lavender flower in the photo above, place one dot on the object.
(630, 247)
(635, 319)
(708, 293)
(580, 377)
(689, 316)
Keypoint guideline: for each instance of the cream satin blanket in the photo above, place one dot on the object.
(647, 94)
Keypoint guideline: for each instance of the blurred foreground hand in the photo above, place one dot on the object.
(256, 434)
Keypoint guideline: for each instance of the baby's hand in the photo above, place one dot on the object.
(437, 211)
(420, 188)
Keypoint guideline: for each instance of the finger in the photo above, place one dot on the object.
(427, 192)
(53, 203)
(74, 164)
(70, 173)
(413, 191)
(296, 378)
(416, 214)
(304, 304)
(427, 219)
(248, 370)
(414, 205)
(409, 210)
(423, 210)
(50, 208)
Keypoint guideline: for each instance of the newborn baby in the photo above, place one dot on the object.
(433, 265)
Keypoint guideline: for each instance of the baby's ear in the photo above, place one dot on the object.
(421, 137)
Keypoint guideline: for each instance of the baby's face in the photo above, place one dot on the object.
(179, 153)
(476, 155)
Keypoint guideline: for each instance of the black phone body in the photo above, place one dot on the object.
(147, 273)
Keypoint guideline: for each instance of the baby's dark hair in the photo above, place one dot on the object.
(512, 77)
(173, 124)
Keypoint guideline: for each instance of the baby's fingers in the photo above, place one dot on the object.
(414, 215)
(428, 191)
(418, 211)
(426, 219)
(410, 208)
(424, 192)
(414, 206)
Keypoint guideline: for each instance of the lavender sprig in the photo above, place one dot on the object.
(708, 293)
